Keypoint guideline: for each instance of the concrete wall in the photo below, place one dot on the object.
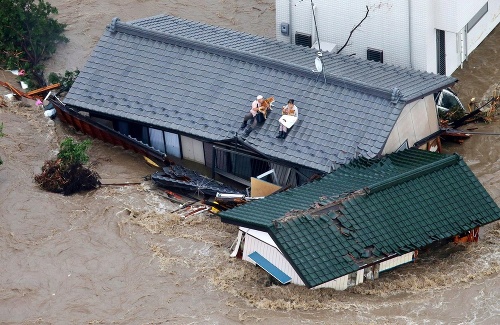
(404, 29)
(417, 120)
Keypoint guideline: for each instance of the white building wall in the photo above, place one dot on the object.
(453, 15)
(484, 26)
(423, 36)
(336, 19)
(360, 276)
(404, 29)
(417, 120)
(272, 254)
(337, 284)
(269, 251)
(446, 14)
(396, 261)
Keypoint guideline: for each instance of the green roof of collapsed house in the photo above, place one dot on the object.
(370, 209)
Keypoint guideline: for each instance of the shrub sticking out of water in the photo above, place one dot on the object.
(73, 152)
(66, 174)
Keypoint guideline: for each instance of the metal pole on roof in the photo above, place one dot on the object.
(320, 53)
(315, 25)
(290, 20)
(410, 34)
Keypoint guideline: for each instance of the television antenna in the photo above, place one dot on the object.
(318, 62)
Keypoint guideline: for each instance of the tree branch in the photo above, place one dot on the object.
(355, 27)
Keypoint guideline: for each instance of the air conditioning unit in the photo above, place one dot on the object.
(325, 46)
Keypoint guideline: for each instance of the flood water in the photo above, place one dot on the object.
(120, 255)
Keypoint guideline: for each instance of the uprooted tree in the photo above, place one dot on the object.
(29, 35)
(66, 174)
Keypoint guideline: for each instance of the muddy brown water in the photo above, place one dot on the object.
(118, 255)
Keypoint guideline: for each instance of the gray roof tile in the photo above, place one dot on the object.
(169, 72)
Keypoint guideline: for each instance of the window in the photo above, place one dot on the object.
(351, 279)
(441, 52)
(477, 17)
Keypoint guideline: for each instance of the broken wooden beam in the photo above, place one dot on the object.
(42, 91)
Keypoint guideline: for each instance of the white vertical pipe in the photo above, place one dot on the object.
(290, 20)
(313, 24)
(410, 34)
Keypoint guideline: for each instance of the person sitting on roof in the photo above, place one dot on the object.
(289, 110)
(252, 115)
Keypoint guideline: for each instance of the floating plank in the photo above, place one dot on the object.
(270, 268)
(34, 94)
(42, 91)
(120, 181)
(16, 91)
(151, 162)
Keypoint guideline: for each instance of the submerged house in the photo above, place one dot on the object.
(362, 219)
(429, 35)
(183, 88)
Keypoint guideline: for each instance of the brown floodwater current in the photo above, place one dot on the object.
(120, 255)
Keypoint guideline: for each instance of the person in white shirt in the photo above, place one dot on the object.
(288, 109)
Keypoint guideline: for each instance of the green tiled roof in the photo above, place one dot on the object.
(370, 208)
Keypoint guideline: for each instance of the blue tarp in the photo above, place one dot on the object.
(270, 268)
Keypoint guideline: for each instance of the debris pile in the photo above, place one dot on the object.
(181, 178)
(66, 174)
(57, 178)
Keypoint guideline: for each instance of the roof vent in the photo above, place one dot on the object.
(112, 26)
(303, 39)
(375, 55)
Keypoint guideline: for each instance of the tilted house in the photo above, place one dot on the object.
(183, 87)
(362, 219)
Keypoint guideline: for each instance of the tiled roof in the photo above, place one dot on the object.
(391, 205)
(199, 80)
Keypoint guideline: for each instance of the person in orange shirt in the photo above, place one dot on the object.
(252, 115)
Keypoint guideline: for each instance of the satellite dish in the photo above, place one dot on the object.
(319, 64)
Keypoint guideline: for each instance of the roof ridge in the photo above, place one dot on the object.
(127, 28)
(412, 174)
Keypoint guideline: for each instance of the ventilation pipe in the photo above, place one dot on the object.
(290, 20)
(409, 34)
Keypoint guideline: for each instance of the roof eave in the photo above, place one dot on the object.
(415, 97)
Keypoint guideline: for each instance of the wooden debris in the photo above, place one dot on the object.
(150, 162)
(41, 92)
(193, 210)
(34, 94)
(458, 137)
(120, 181)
